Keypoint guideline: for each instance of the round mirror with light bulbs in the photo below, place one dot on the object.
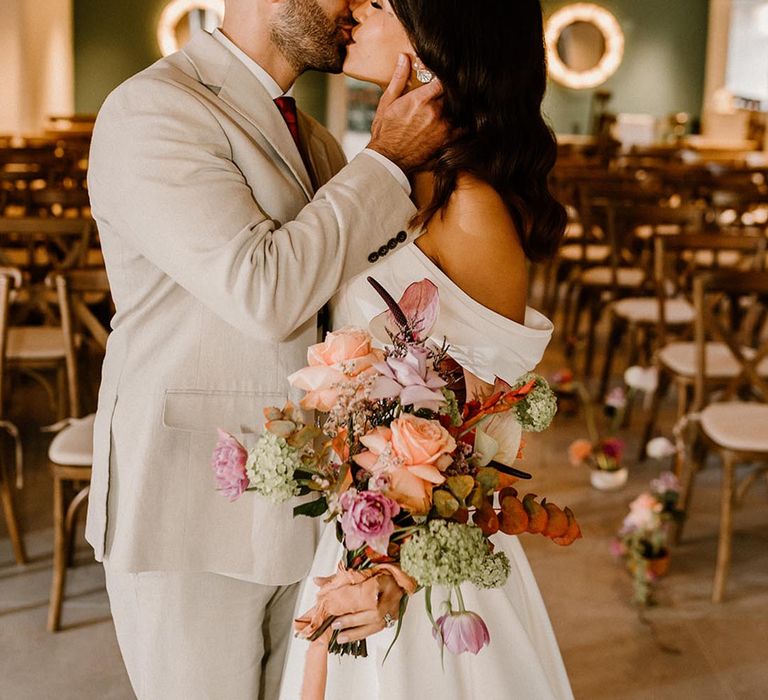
(585, 45)
(180, 19)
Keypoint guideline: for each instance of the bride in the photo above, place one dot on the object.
(484, 209)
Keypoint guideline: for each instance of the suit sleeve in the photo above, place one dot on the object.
(161, 175)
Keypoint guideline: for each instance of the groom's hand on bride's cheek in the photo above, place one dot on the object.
(409, 127)
(359, 625)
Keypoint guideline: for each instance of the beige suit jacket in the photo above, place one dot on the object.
(219, 255)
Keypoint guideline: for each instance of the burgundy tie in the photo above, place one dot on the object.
(287, 107)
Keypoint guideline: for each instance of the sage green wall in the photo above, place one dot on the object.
(116, 38)
(663, 67)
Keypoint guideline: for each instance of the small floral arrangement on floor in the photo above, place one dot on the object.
(643, 541)
(415, 482)
(602, 453)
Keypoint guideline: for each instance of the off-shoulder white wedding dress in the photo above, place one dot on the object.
(523, 661)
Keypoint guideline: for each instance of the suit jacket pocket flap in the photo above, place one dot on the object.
(204, 411)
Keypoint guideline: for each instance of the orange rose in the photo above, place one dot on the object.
(409, 458)
(579, 451)
(344, 353)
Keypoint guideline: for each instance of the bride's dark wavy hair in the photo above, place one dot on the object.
(490, 57)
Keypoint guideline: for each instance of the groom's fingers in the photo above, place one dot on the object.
(398, 83)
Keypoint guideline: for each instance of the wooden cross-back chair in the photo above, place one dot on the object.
(615, 207)
(10, 279)
(71, 454)
(637, 316)
(57, 243)
(676, 261)
(734, 425)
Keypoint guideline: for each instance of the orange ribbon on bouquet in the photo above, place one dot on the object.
(347, 591)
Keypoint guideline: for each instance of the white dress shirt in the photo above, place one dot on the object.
(275, 91)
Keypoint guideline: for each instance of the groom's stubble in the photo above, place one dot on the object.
(308, 38)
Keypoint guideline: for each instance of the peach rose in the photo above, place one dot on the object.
(408, 459)
(344, 353)
(351, 346)
(420, 442)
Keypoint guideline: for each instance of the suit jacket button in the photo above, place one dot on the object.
(402, 237)
(373, 257)
(392, 243)
(383, 251)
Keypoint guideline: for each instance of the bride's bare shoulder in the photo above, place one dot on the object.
(475, 242)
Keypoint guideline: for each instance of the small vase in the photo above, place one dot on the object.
(659, 565)
(604, 480)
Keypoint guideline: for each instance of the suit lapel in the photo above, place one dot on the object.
(220, 70)
(315, 149)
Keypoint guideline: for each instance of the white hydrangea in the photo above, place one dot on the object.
(271, 465)
(536, 411)
(449, 554)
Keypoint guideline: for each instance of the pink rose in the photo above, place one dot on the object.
(613, 448)
(411, 379)
(345, 353)
(229, 458)
(412, 453)
(644, 514)
(461, 632)
(367, 519)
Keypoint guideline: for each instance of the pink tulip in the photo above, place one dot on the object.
(229, 458)
(461, 632)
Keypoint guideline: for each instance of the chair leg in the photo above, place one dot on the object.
(593, 319)
(59, 556)
(571, 310)
(682, 398)
(653, 412)
(726, 528)
(548, 281)
(614, 335)
(70, 521)
(9, 511)
(686, 468)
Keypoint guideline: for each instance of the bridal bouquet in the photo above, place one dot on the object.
(415, 481)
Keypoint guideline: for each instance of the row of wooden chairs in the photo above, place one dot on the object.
(79, 331)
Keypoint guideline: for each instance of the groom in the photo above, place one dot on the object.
(227, 220)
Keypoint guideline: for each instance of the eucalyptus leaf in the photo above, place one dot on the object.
(460, 486)
(488, 478)
(445, 504)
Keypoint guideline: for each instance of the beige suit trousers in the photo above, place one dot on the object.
(200, 636)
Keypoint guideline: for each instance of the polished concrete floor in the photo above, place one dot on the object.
(685, 648)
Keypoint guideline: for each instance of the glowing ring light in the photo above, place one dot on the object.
(172, 15)
(614, 45)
